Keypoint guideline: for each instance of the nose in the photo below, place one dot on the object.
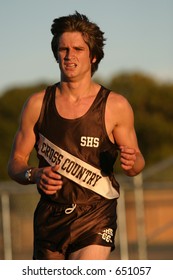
(69, 54)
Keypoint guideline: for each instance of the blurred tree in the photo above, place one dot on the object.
(152, 105)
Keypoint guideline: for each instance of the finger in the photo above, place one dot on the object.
(55, 168)
(49, 189)
(49, 180)
(126, 167)
(127, 162)
(127, 158)
(126, 149)
(50, 174)
(48, 192)
(52, 182)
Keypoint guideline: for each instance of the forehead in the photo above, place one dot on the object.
(72, 38)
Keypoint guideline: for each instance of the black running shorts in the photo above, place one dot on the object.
(68, 228)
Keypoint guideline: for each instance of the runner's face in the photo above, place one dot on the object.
(73, 56)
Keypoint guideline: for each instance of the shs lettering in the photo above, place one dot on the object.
(88, 141)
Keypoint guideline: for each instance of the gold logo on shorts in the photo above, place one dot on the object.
(107, 234)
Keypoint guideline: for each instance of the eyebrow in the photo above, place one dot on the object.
(74, 47)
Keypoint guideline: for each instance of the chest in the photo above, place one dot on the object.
(70, 109)
(98, 118)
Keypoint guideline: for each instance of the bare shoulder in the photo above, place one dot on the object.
(35, 99)
(33, 104)
(118, 102)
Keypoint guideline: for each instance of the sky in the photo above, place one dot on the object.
(139, 38)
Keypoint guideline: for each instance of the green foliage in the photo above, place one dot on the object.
(152, 105)
(150, 100)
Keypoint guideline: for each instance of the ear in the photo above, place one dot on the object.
(94, 59)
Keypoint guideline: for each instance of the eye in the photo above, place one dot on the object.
(79, 48)
(60, 49)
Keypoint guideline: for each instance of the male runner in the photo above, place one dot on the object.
(77, 128)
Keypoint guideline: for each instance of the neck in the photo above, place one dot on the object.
(77, 90)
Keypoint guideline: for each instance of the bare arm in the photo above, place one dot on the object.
(132, 161)
(46, 178)
(24, 141)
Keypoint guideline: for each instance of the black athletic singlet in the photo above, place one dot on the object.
(82, 149)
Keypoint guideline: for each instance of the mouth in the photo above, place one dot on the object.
(70, 65)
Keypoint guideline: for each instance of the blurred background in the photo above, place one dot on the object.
(138, 63)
